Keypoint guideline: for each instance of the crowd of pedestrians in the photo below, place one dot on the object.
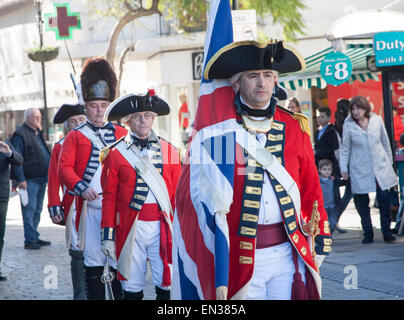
(355, 152)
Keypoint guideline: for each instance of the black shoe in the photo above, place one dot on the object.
(389, 238)
(367, 240)
(3, 278)
(43, 242)
(32, 246)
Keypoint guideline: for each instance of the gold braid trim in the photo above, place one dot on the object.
(303, 121)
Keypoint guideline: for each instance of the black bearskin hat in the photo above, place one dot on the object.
(98, 80)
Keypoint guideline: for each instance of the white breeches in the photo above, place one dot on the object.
(74, 235)
(272, 278)
(93, 256)
(146, 246)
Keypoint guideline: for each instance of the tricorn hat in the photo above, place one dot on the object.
(252, 55)
(66, 111)
(132, 103)
(280, 92)
(98, 80)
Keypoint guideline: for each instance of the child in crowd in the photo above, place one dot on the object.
(331, 196)
(326, 142)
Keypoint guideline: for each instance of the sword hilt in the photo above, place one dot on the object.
(314, 230)
(107, 278)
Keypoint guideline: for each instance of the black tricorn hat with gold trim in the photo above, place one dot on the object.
(66, 111)
(98, 80)
(132, 103)
(252, 55)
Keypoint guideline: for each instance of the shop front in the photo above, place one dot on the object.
(361, 81)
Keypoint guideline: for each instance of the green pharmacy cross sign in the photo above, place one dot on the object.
(62, 21)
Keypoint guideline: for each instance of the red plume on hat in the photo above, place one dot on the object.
(98, 80)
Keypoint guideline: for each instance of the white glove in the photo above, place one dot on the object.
(319, 259)
(108, 248)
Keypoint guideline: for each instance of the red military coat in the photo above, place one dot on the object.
(118, 180)
(75, 156)
(55, 205)
(299, 162)
(292, 145)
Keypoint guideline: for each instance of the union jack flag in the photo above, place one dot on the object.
(205, 188)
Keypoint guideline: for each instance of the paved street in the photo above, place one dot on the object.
(378, 266)
(352, 271)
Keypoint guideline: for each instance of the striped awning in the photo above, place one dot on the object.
(311, 76)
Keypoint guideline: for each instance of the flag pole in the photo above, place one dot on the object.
(76, 89)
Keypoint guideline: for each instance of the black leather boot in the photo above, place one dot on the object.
(127, 295)
(95, 288)
(162, 294)
(78, 275)
(116, 286)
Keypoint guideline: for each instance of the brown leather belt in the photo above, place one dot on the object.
(269, 235)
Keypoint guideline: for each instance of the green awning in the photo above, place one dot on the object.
(310, 76)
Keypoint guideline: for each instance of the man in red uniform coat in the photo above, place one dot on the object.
(266, 200)
(71, 116)
(79, 169)
(139, 179)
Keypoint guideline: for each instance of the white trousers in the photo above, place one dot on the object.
(74, 235)
(147, 246)
(93, 256)
(273, 273)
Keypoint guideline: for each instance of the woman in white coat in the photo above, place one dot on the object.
(366, 154)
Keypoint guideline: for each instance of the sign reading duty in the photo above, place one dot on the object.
(389, 48)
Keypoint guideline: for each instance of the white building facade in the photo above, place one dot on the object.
(162, 54)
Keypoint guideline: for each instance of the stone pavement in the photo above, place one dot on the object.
(363, 272)
(353, 271)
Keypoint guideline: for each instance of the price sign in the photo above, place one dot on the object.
(336, 68)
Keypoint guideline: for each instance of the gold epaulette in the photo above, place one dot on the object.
(104, 152)
(303, 120)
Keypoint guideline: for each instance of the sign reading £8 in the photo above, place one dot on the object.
(336, 68)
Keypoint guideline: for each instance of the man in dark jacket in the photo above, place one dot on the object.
(32, 175)
(8, 155)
